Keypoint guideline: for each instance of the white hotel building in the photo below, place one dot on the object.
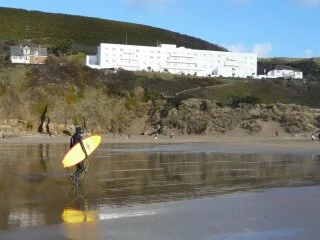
(173, 59)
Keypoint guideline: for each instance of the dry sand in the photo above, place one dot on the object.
(257, 143)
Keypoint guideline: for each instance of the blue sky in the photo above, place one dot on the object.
(271, 28)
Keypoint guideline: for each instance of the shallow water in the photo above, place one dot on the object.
(34, 189)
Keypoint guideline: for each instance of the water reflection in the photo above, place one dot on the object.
(79, 221)
(34, 189)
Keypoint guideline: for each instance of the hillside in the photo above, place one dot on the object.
(49, 28)
(53, 98)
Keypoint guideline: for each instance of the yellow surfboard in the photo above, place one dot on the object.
(76, 154)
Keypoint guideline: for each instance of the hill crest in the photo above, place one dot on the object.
(51, 28)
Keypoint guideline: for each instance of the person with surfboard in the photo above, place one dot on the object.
(77, 138)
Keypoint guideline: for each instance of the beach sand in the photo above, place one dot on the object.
(286, 143)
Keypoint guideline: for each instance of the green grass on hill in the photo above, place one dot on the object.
(49, 28)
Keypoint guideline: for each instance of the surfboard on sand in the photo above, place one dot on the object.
(76, 154)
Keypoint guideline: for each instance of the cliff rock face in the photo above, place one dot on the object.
(196, 116)
(193, 116)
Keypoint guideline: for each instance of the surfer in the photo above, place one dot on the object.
(77, 138)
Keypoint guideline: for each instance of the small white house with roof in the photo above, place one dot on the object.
(281, 71)
(28, 55)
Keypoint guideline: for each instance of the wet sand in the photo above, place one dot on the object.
(280, 213)
(284, 213)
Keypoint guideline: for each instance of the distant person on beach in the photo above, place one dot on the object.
(277, 132)
(313, 137)
(158, 129)
(77, 138)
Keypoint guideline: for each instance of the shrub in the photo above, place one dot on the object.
(252, 126)
(236, 101)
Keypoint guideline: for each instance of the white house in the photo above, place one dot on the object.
(28, 55)
(173, 59)
(280, 71)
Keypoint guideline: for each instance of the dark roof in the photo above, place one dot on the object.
(283, 67)
(18, 51)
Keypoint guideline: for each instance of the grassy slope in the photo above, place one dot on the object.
(221, 90)
(52, 28)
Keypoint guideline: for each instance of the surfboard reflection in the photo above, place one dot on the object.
(79, 221)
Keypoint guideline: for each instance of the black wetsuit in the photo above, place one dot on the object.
(77, 138)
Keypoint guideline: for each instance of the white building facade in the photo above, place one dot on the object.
(173, 59)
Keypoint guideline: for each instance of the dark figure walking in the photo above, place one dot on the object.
(77, 138)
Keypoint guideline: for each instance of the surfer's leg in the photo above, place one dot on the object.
(76, 175)
(74, 178)
(80, 167)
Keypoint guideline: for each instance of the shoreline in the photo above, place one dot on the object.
(109, 138)
(284, 144)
